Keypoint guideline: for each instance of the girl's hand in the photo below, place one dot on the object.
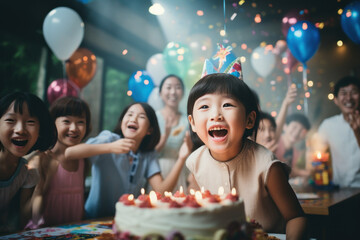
(123, 145)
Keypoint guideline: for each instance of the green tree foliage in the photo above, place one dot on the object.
(116, 98)
(19, 66)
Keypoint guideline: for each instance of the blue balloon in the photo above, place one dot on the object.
(350, 21)
(303, 40)
(141, 85)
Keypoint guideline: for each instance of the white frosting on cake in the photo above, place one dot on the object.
(191, 222)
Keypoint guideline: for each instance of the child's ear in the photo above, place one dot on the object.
(192, 124)
(251, 120)
(150, 131)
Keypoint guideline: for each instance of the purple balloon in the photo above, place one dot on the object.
(61, 88)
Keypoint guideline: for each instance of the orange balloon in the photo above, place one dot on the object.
(81, 67)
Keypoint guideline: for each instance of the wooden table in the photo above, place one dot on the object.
(335, 214)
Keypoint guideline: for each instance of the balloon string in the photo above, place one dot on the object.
(65, 78)
(224, 17)
(289, 81)
(64, 69)
(305, 89)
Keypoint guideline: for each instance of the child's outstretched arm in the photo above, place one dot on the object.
(158, 183)
(84, 150)
(287, 202)
(280, 119)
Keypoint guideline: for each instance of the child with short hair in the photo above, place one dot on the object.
(222, 111)
(59, 196)
(25, 126)
(295, 129)
(124, 161)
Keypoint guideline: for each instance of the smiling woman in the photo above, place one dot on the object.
(173, 127)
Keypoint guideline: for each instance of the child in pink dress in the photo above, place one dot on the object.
(59, 196)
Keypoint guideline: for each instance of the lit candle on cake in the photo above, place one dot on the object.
(150, 201)
(129, 200)
(193, 201)
(167, 197)
(192, 191)
(202, 189)
(153, 198)
(198, 196)
(180, 192)
(143, 196)
(233, 195)
(221, 191)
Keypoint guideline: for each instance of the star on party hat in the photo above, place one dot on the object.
(233, 68)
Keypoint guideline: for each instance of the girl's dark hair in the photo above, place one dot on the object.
(149, 141)
(265, 115)
(168, 76)
(71, 106)
(300, 118)
(228, 84)
(37, 108)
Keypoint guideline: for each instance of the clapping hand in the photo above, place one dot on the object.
(354, 120)
(186, 147)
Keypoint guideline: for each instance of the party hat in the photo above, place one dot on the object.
(233, 68)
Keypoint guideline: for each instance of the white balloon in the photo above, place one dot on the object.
(63, 31)
(263, 61)
(156, 69)
(155, 100)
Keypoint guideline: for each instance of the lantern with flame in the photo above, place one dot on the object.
(322, 169)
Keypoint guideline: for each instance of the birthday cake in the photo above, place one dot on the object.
(198, 216)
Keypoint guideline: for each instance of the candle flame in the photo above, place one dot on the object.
(318, 155)
(198, 195)
(181, 189)
(233, 191)
(142, 191)
(221, 191)
(192, 191)
(153, 197)
(131, 197)
(202, 189)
